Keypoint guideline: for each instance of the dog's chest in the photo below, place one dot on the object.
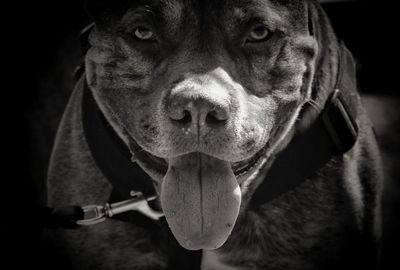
(211, 261)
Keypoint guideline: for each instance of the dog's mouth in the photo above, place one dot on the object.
(158, 167)
(244, 167)
(200, 194)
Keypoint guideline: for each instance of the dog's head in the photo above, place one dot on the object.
(202, 92)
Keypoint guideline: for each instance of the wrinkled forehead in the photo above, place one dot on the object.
(288, 14)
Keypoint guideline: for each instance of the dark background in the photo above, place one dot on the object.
(42, 49)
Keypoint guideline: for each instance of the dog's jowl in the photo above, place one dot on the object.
(243, 121)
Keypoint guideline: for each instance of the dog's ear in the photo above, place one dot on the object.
(321, 29)
(105, 11)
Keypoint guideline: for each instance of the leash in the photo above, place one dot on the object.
(73, 217)
(94, 214)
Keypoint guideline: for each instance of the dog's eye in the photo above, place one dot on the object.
(258, 34)
(143, 33)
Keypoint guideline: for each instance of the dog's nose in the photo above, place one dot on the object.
(189, 107)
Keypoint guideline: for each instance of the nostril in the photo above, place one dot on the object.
(215, 118)
(184, 117)
(187, 117)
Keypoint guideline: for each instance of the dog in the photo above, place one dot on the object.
(242, 117)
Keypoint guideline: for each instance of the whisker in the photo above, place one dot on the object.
(314, 105)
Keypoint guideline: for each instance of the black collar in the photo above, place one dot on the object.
(110, 152)
(333, 133)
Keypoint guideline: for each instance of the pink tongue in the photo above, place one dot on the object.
(201, 199)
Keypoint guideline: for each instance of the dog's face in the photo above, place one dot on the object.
(202, 92)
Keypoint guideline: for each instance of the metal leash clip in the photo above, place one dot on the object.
(94, 214)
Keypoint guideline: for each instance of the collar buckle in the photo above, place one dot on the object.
(92, 214)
